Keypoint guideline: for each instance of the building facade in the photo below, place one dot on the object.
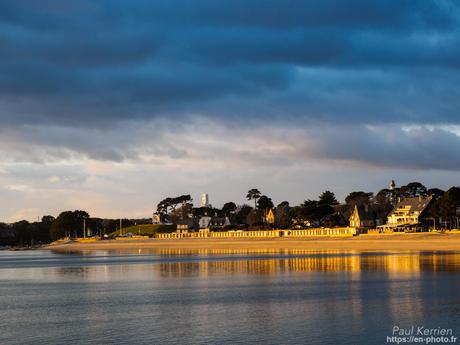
(269, 217)
(365, 216)
(207, 222)
(156, 218)
(409, 213)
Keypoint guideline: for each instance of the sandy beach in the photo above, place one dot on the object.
(422, 242)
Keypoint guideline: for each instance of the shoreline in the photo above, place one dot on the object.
(398, 242)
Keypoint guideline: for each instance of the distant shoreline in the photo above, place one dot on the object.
(413, 242)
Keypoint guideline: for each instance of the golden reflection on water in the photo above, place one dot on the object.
(261, 266)
(175, 262)
(396, 264)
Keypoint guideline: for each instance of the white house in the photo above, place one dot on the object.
(207, 222)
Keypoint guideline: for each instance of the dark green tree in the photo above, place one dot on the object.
(283, 204)
(436, 193)
(328, 198)
(253, 194)
(282, 219)
(264, 203)
(241, 214)
(164, 205)
(384, 197)
(42, 230)
(184, 211)
(23, 231)
(358, 198)
(228, 208)
(7, 235)
(203, 211)
(254, 218)
(412, 190)
(110, 225)
(314, 212)
(169, 205)
(68, 223)
(95, 226)
(447, 207)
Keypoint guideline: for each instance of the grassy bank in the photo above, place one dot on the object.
(145, 229)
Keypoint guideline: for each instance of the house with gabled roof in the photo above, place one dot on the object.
(269, 217)
(409, 213)
(207, 222)
(365, 216)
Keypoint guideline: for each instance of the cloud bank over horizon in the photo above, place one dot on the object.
(105, 101)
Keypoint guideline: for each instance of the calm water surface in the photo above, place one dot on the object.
(224, 296)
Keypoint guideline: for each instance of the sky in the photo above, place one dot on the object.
(110, 106)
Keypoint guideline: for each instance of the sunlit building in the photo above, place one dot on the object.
(205, 200)
(269, 217)
(365, 216)
(409, 213)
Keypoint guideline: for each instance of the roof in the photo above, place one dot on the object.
(417, 204)
(218, 219)
(185, 222)
(366, 213)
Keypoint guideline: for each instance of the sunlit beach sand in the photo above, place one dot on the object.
(425, 241)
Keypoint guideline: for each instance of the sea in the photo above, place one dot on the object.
(219, 296)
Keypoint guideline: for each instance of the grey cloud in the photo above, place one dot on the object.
(387, 146)
(94, 64)
(88, 79)
(49, 144)
(390, 147)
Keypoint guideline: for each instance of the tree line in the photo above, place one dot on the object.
(68, 223)
(323, 211)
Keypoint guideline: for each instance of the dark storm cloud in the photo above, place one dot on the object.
(391, 147)
(96, 62)
(76, 76)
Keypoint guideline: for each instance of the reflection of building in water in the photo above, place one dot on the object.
(324, 261)
(242, 251)
(206, 268)
(394, 263)
(440, 262)
(210, 262)
(325, 264)
(262, 266)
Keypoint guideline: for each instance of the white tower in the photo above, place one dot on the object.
(205, 200)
